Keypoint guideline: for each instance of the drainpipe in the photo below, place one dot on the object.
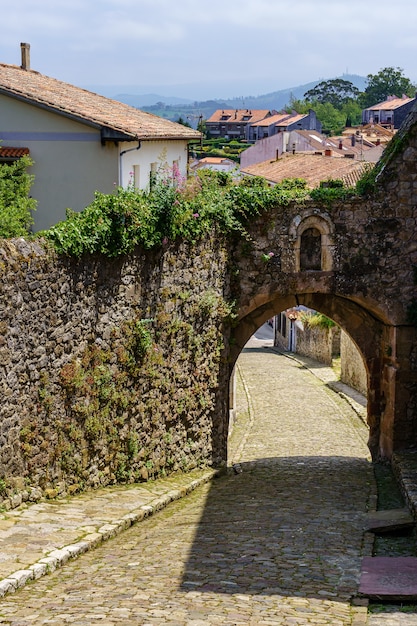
(120, 161)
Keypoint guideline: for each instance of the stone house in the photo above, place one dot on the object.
(82, 142)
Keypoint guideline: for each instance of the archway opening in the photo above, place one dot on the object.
(368, 332)
(316, 344)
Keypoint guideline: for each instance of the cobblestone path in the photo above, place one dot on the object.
(279, 542)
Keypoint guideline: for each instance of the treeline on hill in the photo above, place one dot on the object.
(337, 102)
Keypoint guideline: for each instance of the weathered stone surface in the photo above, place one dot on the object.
(389, 578)
(93, 399)
(389, 520)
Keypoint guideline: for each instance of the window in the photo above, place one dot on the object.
(136, 176)
(310, 250)
(152, 175)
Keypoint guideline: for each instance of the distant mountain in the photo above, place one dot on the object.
(277, 100)
(145, 100)
(132, 95)
(280, 99)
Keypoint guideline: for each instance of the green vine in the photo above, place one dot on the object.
(172, 209)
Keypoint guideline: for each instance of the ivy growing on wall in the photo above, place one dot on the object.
(172, 209)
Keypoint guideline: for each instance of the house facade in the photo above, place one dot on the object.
(390, 114)
(283, 122)
(82, 142)
(234, 123)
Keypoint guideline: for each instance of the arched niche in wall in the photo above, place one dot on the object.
(313, 239)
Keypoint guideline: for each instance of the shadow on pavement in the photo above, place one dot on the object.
(290, 526)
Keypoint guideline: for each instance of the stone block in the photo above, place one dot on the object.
(389, 578)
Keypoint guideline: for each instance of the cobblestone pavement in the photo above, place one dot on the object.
(277, 542)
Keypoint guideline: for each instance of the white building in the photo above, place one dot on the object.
(82, 142)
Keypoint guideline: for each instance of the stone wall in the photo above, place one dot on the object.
(321, 344)
(353, 372)
(118, 369)
(110, 370)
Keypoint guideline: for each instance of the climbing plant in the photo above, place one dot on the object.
(173, 208)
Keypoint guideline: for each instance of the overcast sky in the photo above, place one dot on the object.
(212, 49)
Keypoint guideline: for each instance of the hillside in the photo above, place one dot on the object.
(274, 100)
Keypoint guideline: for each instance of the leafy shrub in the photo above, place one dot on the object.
(173, 208)
(316, 320)
(15, 204)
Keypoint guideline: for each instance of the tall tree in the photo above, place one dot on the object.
(336, 92)
(389, 81)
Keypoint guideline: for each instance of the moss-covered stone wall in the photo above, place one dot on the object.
(110, 370)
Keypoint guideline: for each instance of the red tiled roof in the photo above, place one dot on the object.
(238, 116)
(12, 153)
(215, 160)
(88, 107)
(313, 168)
(272, 119)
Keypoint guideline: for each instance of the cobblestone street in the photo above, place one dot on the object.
(279, 541)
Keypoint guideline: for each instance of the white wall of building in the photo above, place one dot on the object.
(70, 163)
(136, 164)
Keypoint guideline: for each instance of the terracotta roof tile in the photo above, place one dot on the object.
(215, 160)
(238, 115)
(313, 168)
(88, 107)
(7, 152)
(278, 119)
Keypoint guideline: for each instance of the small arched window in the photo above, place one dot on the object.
(312, 235)
(310, 250)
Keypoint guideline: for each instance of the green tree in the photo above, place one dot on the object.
(389, 81)
(352, 112)
(333, 121)
(183, 122)
(336, 91)
(15, 204)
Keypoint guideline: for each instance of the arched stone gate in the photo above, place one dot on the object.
(382, 348)
(354, 261)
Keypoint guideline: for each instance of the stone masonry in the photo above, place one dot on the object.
(118, 370)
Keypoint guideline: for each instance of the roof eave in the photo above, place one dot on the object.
(107, 133)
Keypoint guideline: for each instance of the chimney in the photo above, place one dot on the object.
(328, 152)
(353, 140)
(340, 144)
(25, 50)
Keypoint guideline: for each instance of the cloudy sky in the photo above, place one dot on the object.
(212, 49)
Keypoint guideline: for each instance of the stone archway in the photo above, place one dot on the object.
(374, 337)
